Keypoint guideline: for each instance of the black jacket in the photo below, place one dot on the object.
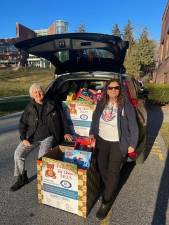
(126, 122)
(56, 121)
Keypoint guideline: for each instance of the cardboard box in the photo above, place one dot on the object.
(79, 115)
(64, 186)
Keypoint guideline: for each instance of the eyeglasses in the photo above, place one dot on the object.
(115, 88)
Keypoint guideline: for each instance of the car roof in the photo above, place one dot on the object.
(76, 52)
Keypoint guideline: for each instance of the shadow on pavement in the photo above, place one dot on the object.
(159, 217)
(154, 121)
(32, 178)
(124, 175)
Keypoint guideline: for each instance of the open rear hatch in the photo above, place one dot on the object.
(76, 52)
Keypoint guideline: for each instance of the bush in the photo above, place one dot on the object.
(158, 93)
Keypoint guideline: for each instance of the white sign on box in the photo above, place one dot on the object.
(80, 116)
(60, 186)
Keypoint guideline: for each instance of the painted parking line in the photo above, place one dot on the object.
(159, 154)
(153, 143)
(157, 151)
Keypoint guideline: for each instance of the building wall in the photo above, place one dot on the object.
(162, 73)
(23, 33)
(17, 57)
(41, 32)
(51, 29)
(9, 55)
(58, 27)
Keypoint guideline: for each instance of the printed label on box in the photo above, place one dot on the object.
(79, 115)
(79, 110)
(60, 185)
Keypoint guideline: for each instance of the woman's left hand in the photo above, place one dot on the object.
(68, 137)
(130, 149)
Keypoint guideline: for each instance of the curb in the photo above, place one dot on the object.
(13, 97)
(11, 115)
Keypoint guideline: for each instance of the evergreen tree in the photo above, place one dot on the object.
(140, 61)
(146, 49)
(128, 34)
(132, 64)
(116, 30)
(81, 28)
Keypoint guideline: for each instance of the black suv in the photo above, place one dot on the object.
(86, 61)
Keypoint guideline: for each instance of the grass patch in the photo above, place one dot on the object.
(13, 83)
(16, 83)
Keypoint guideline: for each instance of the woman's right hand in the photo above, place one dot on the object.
(91, 137)
(26, 143)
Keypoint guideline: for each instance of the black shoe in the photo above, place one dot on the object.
(25, 177)
(103, 210)
(21, 181)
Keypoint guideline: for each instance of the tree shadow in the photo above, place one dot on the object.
(124, 175)
(159, 217)
(154, 121)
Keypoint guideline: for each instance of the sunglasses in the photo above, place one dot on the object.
(115, 88)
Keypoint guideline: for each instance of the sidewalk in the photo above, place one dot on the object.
(164, 130)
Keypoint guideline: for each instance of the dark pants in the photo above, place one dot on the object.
(109, 159)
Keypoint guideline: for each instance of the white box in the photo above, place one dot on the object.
(79, 115)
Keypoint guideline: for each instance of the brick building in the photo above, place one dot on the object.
(161, 75)
(10, 56)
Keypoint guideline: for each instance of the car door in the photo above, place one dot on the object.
(77, 52)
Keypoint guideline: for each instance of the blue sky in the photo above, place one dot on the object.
(98, 16)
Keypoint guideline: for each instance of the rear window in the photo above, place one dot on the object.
(88, 55)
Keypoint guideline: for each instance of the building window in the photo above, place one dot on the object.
(167, 45)
(161, 52)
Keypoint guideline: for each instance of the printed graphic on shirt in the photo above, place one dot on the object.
(109, 113)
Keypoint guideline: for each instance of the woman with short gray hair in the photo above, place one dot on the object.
(41, 125)
(35, 86)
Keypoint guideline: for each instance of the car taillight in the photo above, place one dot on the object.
(134, 102)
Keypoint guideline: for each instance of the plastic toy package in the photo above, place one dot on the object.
(84, 143)
(81, 158)
(82, 152)
(85, 94)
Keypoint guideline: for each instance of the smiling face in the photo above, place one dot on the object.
(38, 95)
(113, 90)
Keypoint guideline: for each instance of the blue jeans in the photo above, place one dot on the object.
(22, 152)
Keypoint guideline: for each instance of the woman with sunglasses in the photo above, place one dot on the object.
(115, 129)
